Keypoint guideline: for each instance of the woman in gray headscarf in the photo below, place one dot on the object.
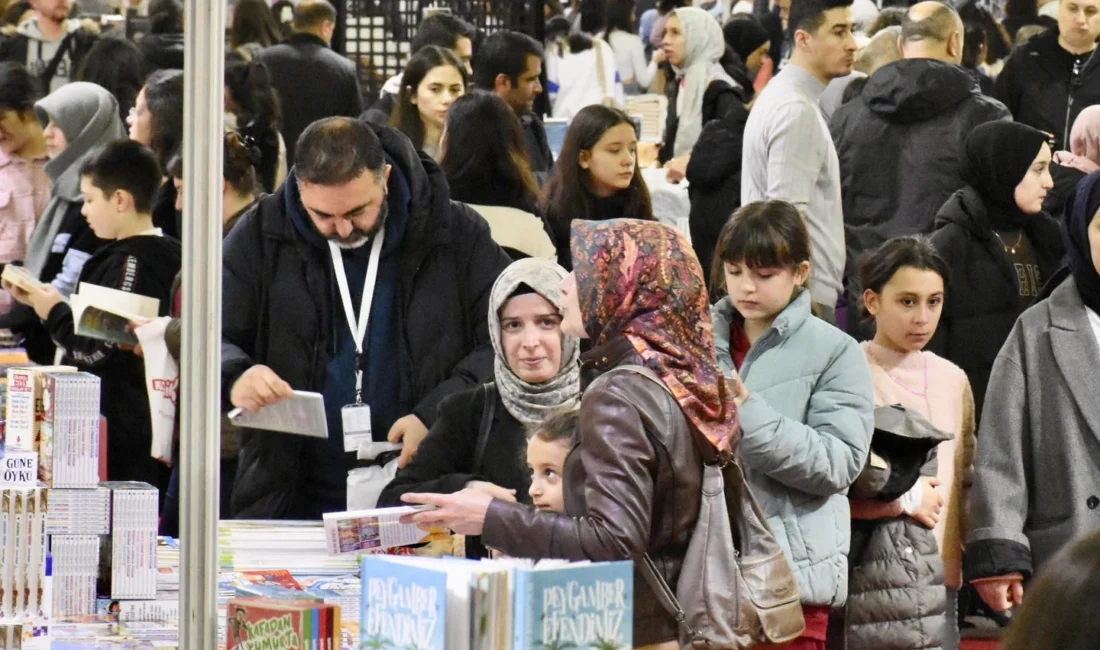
(704, 91)
(78, 118)
(480, 437)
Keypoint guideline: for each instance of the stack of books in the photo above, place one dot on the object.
(295, 546)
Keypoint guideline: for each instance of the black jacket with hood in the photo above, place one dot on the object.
(1039, 86)
(145, 265)
(282, 310)
(900, 146)
(983, 297)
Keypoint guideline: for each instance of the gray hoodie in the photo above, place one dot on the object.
(88, 116)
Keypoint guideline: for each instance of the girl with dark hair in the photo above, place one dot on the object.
(115, 64)
(1037, 468)
(805, 397)
(252, 108)
(253, 28)
(999, 244)
(596, 177)
(484, 156)
(580, 68)
(905, 281)
(433, 79)
(242, 190)
(156, 121)
(630, 58)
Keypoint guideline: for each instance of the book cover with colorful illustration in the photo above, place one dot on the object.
(261, 623)
(403, 606)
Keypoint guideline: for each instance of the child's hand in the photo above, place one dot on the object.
(134, 325)
(1001, 593)
(44, 299)
(931, 503)
(20, 295)
(740, 392)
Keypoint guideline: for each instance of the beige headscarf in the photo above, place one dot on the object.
(704, 46)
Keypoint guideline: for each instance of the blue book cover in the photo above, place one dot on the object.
(575, 607)
(403, 606)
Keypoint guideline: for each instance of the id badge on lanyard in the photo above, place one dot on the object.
(357, 417)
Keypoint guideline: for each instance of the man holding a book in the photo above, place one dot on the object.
(360, 280)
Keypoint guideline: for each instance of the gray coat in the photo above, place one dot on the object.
(807, 434)
(1037, 468)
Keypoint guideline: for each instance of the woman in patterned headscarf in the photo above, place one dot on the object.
(653, 402)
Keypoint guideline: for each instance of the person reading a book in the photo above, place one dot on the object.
(360, 280)
(633, 481)
(118, 183)
(77, 118)
(479, 439)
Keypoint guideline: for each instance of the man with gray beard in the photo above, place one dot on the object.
(360, 231)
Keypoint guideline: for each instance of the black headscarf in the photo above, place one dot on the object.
(745, 35)
(998, 155)
(1082, 208)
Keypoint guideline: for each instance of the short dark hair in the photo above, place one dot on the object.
(19, 89)
(441, 30)
(974, 39)
(125, 165)
(311, 14)
(117, 65)
(503, 53)
(164, 99)
(336, 150)
(620, 16)
(888, 17)
(809, 15)
(936, 26)
(763, 234)
(879, 265)
(165, 17)
(561, 426)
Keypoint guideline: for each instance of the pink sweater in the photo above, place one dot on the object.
(939, 391)
(24, 193)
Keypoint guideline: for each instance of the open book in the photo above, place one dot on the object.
(20, 277)
(103, 313)
(302, 413)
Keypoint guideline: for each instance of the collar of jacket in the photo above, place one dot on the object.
(305, 38)
(615, 352)
(1045, 48)
(1067, 310)
(1041, 229)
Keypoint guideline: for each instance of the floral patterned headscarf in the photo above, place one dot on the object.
(641, 279)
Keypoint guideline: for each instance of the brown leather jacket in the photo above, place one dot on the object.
(633, 481)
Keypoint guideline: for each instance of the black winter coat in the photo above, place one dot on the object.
(714, 181)
(280, 310)
(162, 52)
(1039, 86)
(719, 101)
(313, 83)
(143, 265)
(900, 145)
(983, 298)
(1065, 182)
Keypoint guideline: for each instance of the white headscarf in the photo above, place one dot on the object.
(531, 403)
(703, 47)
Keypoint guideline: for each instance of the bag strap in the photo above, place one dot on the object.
(600, 70)
(665, 595)
(488, 414)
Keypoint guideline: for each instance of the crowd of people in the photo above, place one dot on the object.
(885, 310)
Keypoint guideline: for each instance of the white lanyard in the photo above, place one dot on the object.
(358, 329)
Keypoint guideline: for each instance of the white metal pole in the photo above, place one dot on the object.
(200, 388)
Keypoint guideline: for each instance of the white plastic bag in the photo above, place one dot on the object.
(365, 485)
(162, 378)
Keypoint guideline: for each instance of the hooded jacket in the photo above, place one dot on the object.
(146, 265)
(983, 301)
(282, 310)
(162, 52)
(1041, 88)
(40, 57)
(900, 145)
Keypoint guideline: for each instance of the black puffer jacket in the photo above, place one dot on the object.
(983, 300)
(162, 52)
(1040, 87)
(281, 311)
(900, 146)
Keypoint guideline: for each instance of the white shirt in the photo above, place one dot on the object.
(1094, 320)
(630, 59)
(574, 79)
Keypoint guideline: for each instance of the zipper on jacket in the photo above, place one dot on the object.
(1073, 83)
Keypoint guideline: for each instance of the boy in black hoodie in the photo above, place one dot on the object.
(119, 184)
